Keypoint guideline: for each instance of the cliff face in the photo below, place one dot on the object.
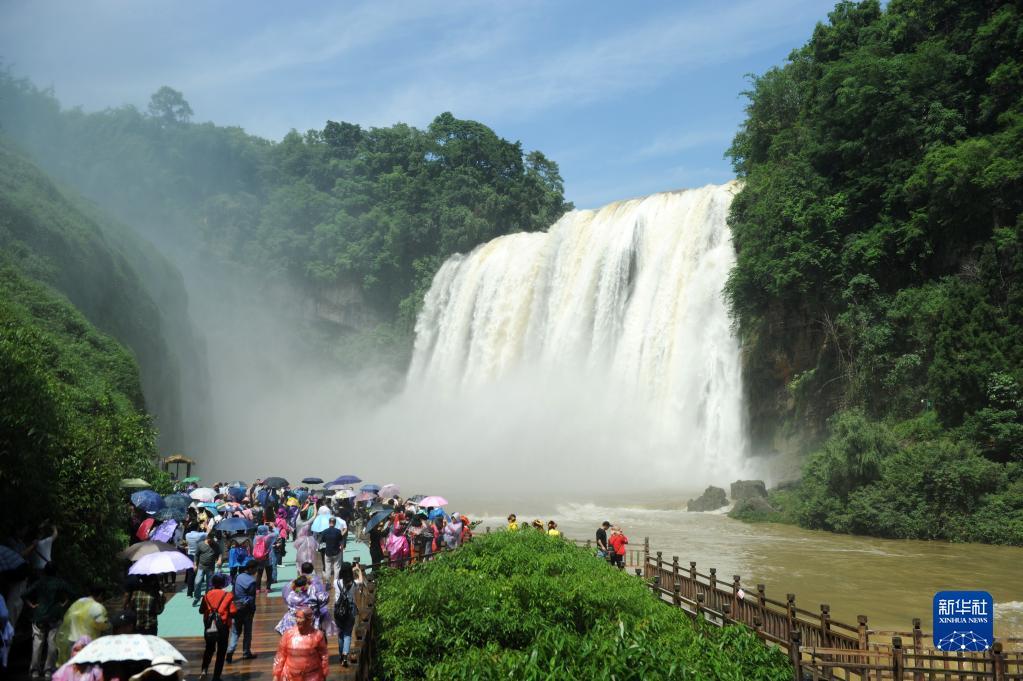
(116, 280)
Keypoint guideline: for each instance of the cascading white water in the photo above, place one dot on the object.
(627, 298)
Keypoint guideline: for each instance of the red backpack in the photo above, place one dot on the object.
(262, 548)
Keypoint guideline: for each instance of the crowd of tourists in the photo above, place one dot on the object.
(230, 540)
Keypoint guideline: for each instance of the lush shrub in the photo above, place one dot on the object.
(528, 606)
(71, 426)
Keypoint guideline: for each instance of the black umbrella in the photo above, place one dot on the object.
(312, 481)
(377, 519)
(177, 501)
(171, 513)
(234, 525)
(275, 483)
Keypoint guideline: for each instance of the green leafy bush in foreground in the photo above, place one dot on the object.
(527, 606)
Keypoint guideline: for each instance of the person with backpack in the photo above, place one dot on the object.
(218, 610)
(261, 553)
(346, 587)
(244, 592)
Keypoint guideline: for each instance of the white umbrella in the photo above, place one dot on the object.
(123, 647)
(389, 490)
(203, 494)
(160, 563)
(344, 494)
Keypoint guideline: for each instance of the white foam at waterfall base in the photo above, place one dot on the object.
(598, 354)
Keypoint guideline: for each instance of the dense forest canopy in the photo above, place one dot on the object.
(880, 266)
(378, 209)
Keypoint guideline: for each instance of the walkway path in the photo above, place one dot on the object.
(181, 625)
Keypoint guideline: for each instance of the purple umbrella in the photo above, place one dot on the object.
(165, 532)
(160, 563)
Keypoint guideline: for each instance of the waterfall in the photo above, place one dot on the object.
(625, 301)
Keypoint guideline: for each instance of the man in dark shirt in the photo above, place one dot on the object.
(207, 560)
(602, 539)
(48, 598)
(245, 599)
(333, 541)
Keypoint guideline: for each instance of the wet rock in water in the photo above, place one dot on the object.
(752, 506)
(712, 499)
(748, 489)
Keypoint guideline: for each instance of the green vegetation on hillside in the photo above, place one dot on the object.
(879, 281)
(72, 425)
(377, 210)
(52, 237)
(522, 605)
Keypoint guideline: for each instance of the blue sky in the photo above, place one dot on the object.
(629, 98)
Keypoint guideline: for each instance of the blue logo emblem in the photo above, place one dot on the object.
(964, 620)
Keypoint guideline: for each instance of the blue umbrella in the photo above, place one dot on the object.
(438, 512)
(312, 481)
(171, 513)
(10, 560)
(237, 493)
(346, 480)
(370, 488)
(301, 495)
(177, 501)
(234, 525)
(148, 500)
(377, 519)
(321, 522)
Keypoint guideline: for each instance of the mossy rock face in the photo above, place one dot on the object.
(747, 489)
(712, 499)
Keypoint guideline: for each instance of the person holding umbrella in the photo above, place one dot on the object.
(208, 560)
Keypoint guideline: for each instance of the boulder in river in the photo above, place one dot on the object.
(712, 499)
(752, 508)
(748, 489)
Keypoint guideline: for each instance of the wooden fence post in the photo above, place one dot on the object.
(677, 598)
(659, 561)
(997, 661)
(762, 603)
(861, 630)
(898, 662)
(674, 569)
(918, 638)
(692, 577)
(699, 605)
(646, 550)
(737, 608)
(790, 611)
(825, 625)
(795, 656)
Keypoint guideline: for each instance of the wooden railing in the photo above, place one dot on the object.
(818, 646)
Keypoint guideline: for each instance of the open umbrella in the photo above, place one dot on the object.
(148, 500)
(369, 488)
(437, 513)
(321, 522)
(192, 478)
(125, 647)
(344, 494)
(144, 548)
(10, 559)
(346, 480)
(275, 483)
(203, 494)
(237, 483)
(160, 563)
(165, 532)
(134, 483)
(234, 525)
(312, 481)
(365, 496)
(377, 518)
(237, 493)
(416, 498)
(388, 491)
(169, 513)
(177, 500)
(433, 501)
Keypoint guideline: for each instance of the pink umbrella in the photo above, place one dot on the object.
(160, 563)
(365, 496)
(433, 502)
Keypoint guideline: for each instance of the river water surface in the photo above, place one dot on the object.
(890, 581)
